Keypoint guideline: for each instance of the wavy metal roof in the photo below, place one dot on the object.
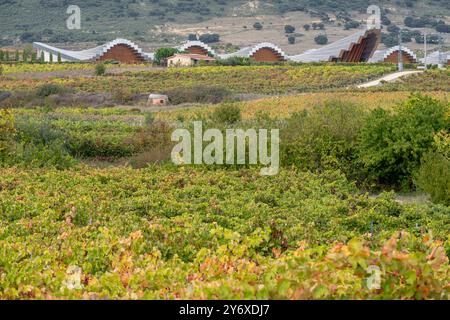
(335, 49)
(250, 51)
(93, 53)
(200, 44)
(363, 42)
(381, 55)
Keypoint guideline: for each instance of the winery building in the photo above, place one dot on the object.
(120, 50)
(359, 47)
(391, 55)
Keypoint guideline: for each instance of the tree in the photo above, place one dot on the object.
(24, 56)
(192, 37)
(33, 56)
(210, 38)
(258, 26)
(291, 40)
(17, 56)
(391, 145)
(352, 25)
(289, 29)
(321, 39)
(385, 20)
(163, 53)
(6, 55)
(42, 58)
(389, 39)
(27, 52)
(59, 57)
(29, 37)
(442, 27)
(393, 28)
(307, 27)
(2, 55)
(431, 39)
(51, 57)
(100, 69)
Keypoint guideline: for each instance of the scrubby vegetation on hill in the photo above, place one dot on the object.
(46, 18)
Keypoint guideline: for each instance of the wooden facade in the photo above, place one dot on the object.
(362, 50)
(123, 54)
(393, 58)
(267, 55)
(197, 50)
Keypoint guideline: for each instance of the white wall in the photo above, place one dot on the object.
(47, 56)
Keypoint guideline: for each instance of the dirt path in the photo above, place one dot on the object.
(389, 78)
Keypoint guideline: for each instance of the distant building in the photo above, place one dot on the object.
(358, 47)
(434, 59)
(188, 60)
(197, 47)
(120, 50)
(262, 52)
(391, 55)
(157, 100)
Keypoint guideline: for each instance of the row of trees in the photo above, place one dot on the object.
(25, 55)
(390, 38)
(422, 22)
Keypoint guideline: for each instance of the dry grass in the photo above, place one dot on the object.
(284, 106)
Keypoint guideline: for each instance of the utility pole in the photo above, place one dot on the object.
(441, 44)
(400, 51)
(425, 36)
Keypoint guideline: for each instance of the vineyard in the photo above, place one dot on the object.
(184, 233)
(91, 207)
(41, 67)
(252, 79)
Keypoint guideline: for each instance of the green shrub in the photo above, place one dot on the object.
(321, 39)
(236, 61)
(323, 138)
(391, 145)
(152, 142)
(100, 69)
(149, 118)
(434, 174)
(198, 94)
(227, 114)
(38, 131)
(48, 89)
(289, 29)
(53, 154)
(258, 26)
(163, 53)
(433, 177)
(123, 95)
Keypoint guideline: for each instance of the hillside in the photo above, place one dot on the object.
(170, 21)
